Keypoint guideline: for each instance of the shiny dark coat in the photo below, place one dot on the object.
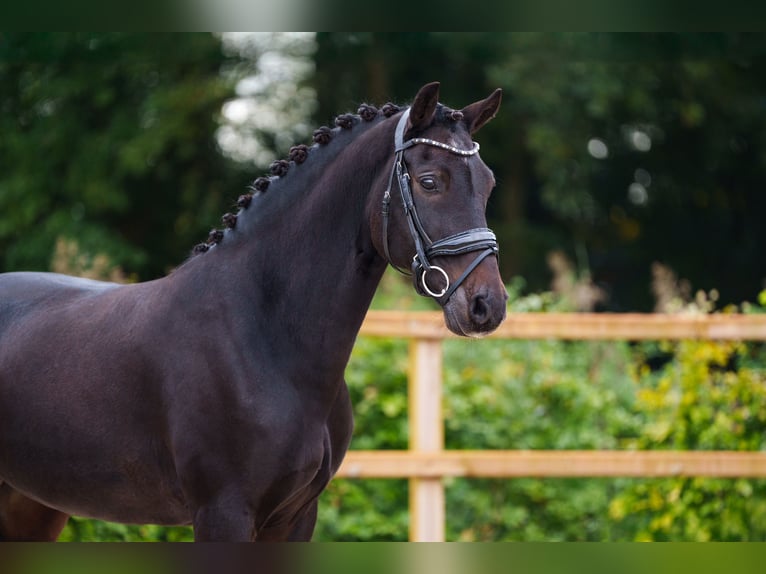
(215, 396)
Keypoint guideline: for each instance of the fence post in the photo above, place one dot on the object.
(426, 429)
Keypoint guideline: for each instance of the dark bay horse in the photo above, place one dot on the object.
(215, 396)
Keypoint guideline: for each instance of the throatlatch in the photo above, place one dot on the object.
(481, 239)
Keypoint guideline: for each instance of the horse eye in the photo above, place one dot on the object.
(428, 183)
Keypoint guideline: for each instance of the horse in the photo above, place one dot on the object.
(215, 396)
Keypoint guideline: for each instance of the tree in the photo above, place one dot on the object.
(109, 139)
(618, 149)
(645, 148)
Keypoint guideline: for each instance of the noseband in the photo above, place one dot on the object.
(481, 239)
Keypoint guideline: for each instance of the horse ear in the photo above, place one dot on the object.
(424, 105)
(479, 113)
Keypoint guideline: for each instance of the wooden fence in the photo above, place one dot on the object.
(426, 462)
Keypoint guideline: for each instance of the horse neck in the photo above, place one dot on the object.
(301, 263)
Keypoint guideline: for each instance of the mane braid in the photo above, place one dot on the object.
(297, 155)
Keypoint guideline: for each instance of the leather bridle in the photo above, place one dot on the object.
(480, 239)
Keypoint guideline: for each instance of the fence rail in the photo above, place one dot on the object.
(577, 326)
(552, 463)
(426, 462)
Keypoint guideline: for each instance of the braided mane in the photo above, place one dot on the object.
(298, 154)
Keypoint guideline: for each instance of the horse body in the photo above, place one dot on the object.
(67, 380)
(213, 396)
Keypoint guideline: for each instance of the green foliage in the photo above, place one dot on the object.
(701, 400)
(85, 530)
(680, 152)
(630, 148)
(534, 395)
(375, 377)
(368, 510)
(109, 140)
(498, 395)
(534, 386)
(562, 395)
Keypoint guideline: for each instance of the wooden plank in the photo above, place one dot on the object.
(425, 396)
(426, 430)
(546, 463)
(577, 326)
(420, 324)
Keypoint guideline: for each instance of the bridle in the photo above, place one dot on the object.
(480, 239)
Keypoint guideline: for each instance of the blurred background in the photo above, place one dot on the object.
(631, 176)
(621, 159)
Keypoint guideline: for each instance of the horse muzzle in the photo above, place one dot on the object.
(477, 309)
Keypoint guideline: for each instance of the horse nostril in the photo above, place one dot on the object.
(479, 309)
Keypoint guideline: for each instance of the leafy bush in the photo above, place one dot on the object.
(498, 395)
(534, 395)
(86, 530)
(564, 395)
(701, 400)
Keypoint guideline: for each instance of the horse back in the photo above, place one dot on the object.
(23, 294)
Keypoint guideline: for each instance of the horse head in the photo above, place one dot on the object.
(433, 220)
